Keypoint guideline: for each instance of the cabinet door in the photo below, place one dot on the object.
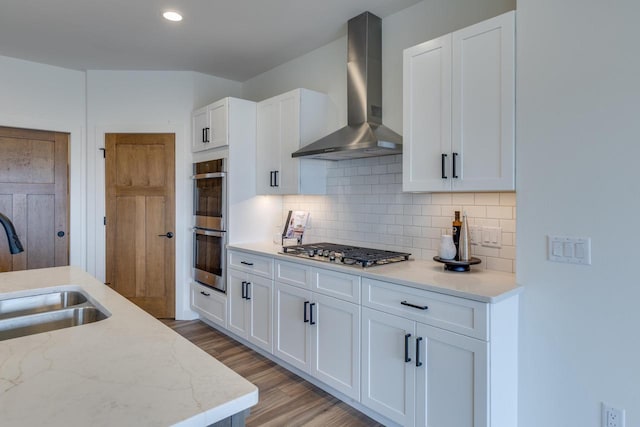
(210, 304)
(335, 344)
(199, 128)
(289, 174)
(483, 105)
(237, 312)
(268, 146)
(427, 117)
(452, 383)
(218, 124)
(260, 301)
(388, 380)
(290, 329)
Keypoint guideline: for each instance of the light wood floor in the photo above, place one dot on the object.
(285, 398)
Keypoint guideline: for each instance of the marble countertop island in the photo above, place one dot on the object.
(128, 369)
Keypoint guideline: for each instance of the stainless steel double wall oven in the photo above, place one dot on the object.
(209, 232)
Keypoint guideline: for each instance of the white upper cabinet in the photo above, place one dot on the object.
(285, 123)
(459, 103)
(209, 125)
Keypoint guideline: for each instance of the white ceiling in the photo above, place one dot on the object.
(234, 39)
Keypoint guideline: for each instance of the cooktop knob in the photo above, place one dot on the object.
(311, 253)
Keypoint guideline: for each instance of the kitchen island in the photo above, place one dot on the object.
(128, 369)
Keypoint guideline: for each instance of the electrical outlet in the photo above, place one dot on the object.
(612, 417)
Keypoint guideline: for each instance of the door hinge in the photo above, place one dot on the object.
(104, 152)
(104, 220)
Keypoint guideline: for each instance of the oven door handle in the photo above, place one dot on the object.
(209, 175)
(208, 232)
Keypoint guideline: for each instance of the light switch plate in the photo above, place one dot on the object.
(571, 250)
(491, 237)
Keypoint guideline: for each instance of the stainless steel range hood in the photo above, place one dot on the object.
(364, 135)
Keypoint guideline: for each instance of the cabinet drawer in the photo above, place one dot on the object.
(209, 303)
(443, 311)
(340, 285)
(293, 274)
(254, 264)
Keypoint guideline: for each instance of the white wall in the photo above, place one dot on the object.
(578, 79)
(38, 96)
(147, 101)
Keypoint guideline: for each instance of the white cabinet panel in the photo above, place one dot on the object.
(483, 105)
(388, 378)
(335, 344)
(291, 316)
(218, 113)
(452, 387)
(250, 301)
(459, 103)
(427, 123)
(209, 303)
(254, 264)
(285, 123)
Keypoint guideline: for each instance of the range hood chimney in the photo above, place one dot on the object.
(364, 135)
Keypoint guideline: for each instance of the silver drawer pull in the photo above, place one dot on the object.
(419, 307)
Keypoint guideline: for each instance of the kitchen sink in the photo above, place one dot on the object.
(46, 312)
(31, 304)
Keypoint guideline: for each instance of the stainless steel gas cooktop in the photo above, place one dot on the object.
(344, 254)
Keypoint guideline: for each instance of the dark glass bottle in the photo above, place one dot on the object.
(457, 224)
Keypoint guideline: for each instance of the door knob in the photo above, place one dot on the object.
(169, 235)
(60, 233)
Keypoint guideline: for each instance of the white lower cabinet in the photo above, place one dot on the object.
(210, 304)
(320, 335)
(249, 315)
(418, 375)
(406, 355)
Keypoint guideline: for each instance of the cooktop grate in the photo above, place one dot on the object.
(345, 254)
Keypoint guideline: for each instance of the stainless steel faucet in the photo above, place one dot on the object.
(15, 246)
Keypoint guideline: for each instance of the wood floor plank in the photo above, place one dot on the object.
(285, 399)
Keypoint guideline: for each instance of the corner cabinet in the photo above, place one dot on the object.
(459, 103)
(427, 358)
(209, 126)
(284, 124)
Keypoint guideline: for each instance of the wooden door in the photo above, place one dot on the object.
(34, 184)
(140, 214)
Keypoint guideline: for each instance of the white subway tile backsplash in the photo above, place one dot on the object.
(365, 206)
(508, 199)
(488, 199)
(501, 212)
(463, 198)
(441, 198)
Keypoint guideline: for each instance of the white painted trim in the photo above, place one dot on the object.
(77, 179)
(96, 204)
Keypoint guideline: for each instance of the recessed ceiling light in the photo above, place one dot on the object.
(172, 16)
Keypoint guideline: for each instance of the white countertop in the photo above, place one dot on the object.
(477, 284)
(129, 369)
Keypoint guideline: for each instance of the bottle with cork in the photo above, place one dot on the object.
(456, 232)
